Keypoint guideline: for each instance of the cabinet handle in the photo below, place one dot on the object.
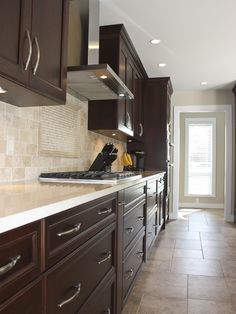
(74, 296)
(121, 204)
(140, 218)
(139, 254)
(154, 226)
(129, 273)
(105, 258)
(150, 232)
(108, 311)
(129, 230)
(104, 211)
(38, 56)
(4, 269)
(141, 129)
(30, 50)
(128, 120)
(75, 229)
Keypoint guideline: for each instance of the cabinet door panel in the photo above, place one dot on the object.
(14, 47)
(49, 34)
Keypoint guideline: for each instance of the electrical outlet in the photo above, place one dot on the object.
(10, 145)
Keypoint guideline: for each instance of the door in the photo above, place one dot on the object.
(49, 40)
(15, 40)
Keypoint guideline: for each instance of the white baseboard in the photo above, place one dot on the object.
(201, 205)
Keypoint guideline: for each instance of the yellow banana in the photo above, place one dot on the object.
(127, 160)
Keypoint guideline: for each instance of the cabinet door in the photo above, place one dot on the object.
(49, 40)
(15, 39)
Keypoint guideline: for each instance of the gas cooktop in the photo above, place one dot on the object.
(100, 177)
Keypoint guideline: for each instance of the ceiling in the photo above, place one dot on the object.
(198, 38)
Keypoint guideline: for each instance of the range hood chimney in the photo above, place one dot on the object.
(87, 79)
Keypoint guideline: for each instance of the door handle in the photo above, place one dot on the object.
(38, 56)
(75, 229)
(29, 52)
(141, 129)
(4, 269)
(72, 298)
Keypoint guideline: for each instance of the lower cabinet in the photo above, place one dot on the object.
(27, 301)
(152, 223)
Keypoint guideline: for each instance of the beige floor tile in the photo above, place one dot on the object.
(188, 253)
(219, 253)
(231, 241)
(182, 235)
(161, 254)
(215, 236)
(214, 244)
(228, 231)
(208, 288)
(152, 305)
(231, 283)
(157, 266)
(133, 303)
(163, 284)
(210, 307)
(203, 228)
(188, 244)
(165, 243)
(196, 267)
(229, 268)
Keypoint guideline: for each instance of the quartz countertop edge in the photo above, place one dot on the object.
(16, 215)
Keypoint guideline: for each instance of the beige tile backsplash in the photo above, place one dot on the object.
(20, 157)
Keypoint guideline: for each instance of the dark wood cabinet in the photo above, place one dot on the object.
(234, 91)
(119, 117)
(33, 58)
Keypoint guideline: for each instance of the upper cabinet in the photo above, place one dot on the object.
(119, 118)
(33, 51)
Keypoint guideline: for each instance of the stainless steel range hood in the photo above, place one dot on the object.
(86, 78)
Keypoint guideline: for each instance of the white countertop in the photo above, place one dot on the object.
(28, 201)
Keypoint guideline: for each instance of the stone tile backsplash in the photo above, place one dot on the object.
(20, 157)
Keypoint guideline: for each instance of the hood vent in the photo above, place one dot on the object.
(86, 78)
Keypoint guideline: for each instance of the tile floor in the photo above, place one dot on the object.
(191, 268)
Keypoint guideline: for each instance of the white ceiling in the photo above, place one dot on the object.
(198, 38)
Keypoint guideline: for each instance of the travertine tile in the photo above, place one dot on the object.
(215, 236)
(188, 244)
(188, 253)
(182, 235)
(161, 254)
(196, 267)
(229, 268)
(214, 244)
(157, 266)
(133, 303)
(208, 288)
(152, 305)
(210, 307)
(219, 253)
(164, 243)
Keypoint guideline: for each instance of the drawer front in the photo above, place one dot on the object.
(151, 228)
(160, 184)
(134, 220)
(19, 258)
(134, 195)
(151, 195)
(66, 231)
(102, 301)
(69, 285)
(28, 301)
(131, 264)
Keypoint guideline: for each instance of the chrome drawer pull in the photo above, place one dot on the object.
(73, 230)
(38, 56)
(104, 211)
(154, 226)
(10, 265)
(149, 233)
(140, 218)
(141, 129)
(129, 273)
(139, 254)
(129, 230)
(30, 51)
(121, 204)
(108, 311)
(105, 258)
(74, 296)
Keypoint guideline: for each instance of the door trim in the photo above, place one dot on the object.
(228, 197)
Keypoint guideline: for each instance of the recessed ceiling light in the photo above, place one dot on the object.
(162, 65)
(122, 95)
(2, 90)
(113, 134)
(155, 41)
(130, 141)
(203, 83)
(103, 77)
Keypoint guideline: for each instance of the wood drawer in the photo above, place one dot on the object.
(66, 231)
(132, 264)
(134, 220)
(151, 228)
(19, 258)
(27, 301)
(134, 194)
(102, 301)
(71, 282)
(151, 194)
